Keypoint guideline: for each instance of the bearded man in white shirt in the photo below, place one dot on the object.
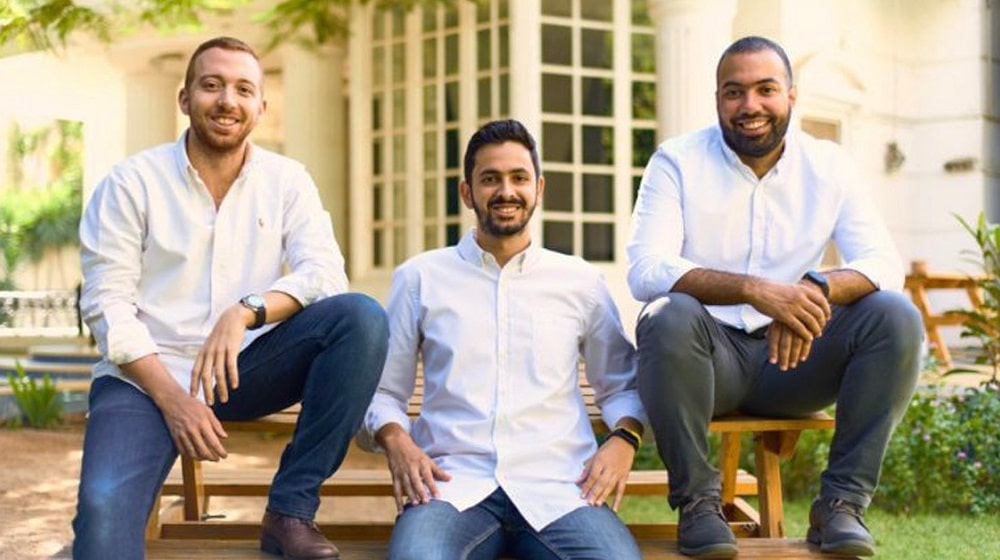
(216, 291)
(502, 459)
(729, 225)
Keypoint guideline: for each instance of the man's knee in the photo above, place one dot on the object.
(898, 319)
(672, 317)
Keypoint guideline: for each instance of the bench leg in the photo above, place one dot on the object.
(766, 446)
(194, 489)
(153, 524)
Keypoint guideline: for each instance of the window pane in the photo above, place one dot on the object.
(598, 144)
(430, 151)
(430, 104)
(503, 37)
(598, 96)
(399, 200)
(558, 191)
(430, 18)
(636, 183)
(398, 22)
(451, 196)
(504, 95)
(558, 236)
(557, 45)
(557, 93)
(596, 9)
(377, 202)
(378, 25)
(598, 193)
(597, 47)
(643, 53)
(430, 237)
(451, 234)
(644, 100)
(485, 97)
(482, 11)
(377, 112)
(503, 9)
(557, 8)
(483, 58)
(378, 66)
(430, 198)
(557, 143)
(398, 63)
(377, 157)
(451, 15)
(451, 54)
(598, 242)
(398, 246)
(430, 57)
(451, 149)
(398, 108)
(378, 256)
(640, 12)
(451, 102)
(398, 154)
(643, 145)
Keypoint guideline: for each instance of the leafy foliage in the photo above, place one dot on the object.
(983, 324)
(39, 403)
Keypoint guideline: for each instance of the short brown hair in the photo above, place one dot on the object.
(225, 43)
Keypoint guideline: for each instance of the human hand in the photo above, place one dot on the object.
(196, 431)
(413, 472)
(216, 361)
(786, 348)
(606, 472)
(801, 307)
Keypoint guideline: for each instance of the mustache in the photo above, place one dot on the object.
(499, 199)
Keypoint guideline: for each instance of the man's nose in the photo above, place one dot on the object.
(226, 97)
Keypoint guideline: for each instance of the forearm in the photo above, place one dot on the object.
(149, 373)
(715, 287)
(848, 286)
(279, 306)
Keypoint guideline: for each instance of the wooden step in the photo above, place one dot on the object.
(377, 482)
(652, 549)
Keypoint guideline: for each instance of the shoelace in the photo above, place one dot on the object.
(702, 506)
(854, 510)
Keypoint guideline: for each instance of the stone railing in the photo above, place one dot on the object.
(47, 312)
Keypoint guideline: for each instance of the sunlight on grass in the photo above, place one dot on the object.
(915, 537)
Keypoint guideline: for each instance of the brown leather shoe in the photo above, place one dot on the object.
(293, 538)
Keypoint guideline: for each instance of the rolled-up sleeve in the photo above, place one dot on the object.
(862, 237)
(611, 361)
(400, 371)
(657, 236)
(111, 239)
(314, 259)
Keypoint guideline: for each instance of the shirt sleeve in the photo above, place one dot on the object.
(862, 237)
(611, 361)
(315, 263)
(400, 371)
(654, 248)
(111, 240)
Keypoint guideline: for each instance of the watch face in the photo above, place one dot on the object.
(253, 300)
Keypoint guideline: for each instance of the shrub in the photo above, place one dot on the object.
(39, 403)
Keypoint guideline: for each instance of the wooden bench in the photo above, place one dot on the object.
(919, 282)
(195, 483)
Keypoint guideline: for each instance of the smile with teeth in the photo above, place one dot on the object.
(505, 209)
(752, 125)
(225, 121)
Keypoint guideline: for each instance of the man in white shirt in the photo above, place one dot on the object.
(216, 291)
(502, 459)
(728, 228)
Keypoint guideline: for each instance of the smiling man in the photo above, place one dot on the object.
(216, 291)
(728, 229)
(502, 459)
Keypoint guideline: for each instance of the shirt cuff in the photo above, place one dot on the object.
(380, 413)
(882, 276)
(620, 405)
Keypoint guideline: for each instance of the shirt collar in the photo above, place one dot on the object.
(470, 251)
(191, 174)
(780, 166)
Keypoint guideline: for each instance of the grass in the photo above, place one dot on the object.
(913, 537)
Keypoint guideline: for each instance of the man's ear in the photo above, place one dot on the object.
(183, 101)
(465, 191)
(541, 187)
(793, 93)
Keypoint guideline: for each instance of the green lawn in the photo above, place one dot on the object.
(916, 537)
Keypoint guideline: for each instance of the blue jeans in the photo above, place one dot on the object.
(692, 368)
(438, 531)
(329, 356)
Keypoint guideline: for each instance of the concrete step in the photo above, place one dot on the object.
(65, 353)
(34, 368)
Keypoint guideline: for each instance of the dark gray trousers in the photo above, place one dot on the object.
(692, 368)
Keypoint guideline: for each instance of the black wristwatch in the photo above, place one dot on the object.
(820, 280)
(255, 303)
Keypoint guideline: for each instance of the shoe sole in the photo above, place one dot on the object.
(271, 546)
(712, 552)
(846, 547)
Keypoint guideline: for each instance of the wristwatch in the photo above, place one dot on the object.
(820, 280)
(255, 303)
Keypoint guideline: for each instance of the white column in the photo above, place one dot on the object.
(150, 108)
(690, 36)
(315, 127)
(526, 80)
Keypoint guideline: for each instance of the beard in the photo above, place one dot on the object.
(502, 229)
(217, 143)
(755, 147)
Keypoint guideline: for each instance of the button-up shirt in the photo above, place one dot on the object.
(699, 206)
(501, 349)
(161, 263)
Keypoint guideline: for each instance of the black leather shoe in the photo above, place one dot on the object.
(293, 538)
(839, 527)
(703, 532)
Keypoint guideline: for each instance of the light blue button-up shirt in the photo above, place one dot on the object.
(699, 206)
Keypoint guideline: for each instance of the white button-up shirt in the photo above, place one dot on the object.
(501, 351)
(160, 263)
(699, 206)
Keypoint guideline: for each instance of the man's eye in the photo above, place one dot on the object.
(732, 93)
